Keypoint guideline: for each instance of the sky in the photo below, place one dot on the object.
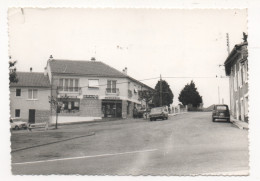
(182, 44)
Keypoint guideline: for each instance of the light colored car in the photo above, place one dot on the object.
(18, 124)
(158, 113)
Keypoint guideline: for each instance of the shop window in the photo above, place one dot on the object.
(69, 106)
(17, 113)
(32, 94)
(18, 92)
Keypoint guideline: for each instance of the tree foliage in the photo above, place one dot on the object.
(190, 95)
(146, 96)
(167, 95)
(12, 71)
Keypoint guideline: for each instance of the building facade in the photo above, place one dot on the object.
(236, 67)
(29, 97)
(90, 90)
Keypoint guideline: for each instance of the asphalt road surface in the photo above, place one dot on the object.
(185, 144)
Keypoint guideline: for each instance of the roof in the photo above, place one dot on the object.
(232, 57)
(31, 79)
(87, 68)
(90, 68)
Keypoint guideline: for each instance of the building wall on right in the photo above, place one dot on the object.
(238, 80)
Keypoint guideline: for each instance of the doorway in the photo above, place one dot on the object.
(31, 115)
(112, 108)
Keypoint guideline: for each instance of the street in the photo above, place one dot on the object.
(182, 145)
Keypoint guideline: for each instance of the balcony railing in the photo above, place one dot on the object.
(112, 91)
(69, 89)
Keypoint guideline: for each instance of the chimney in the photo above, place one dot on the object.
(51, 58)
(93, 59)
(45, 71)
(30, 69)
(125, 70)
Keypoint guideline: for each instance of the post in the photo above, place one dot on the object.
(160, 90)
(56, 102)
(56, 125)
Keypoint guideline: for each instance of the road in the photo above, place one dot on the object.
(185, 144)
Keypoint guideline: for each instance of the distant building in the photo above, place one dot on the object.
(236, 67)
(92, 90)
(29, 97)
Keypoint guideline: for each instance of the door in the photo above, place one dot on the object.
(237, 111)
(242, 109)
(31, 115)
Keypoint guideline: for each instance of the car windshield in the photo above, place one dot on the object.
(223, 108)
(158, 109)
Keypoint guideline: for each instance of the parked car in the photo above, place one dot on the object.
(158, 113)
(18, 124)
(220, 111)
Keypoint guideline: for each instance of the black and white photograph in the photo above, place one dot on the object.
(128, 91)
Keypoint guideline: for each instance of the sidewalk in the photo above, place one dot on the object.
(239, 124)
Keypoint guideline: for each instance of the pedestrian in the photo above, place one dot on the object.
(135, 112)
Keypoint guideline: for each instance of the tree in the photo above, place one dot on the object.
(190, 95)
(166, 94)
(146, 96)
(12, 71)
(55, 105)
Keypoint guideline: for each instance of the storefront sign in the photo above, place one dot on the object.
(113, 98)
(90, 96)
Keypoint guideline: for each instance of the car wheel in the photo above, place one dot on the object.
(151, 119)
(228, 120)
(213, 119)
(16, 127)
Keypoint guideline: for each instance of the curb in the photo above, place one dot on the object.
(238, 125)
(20, 149)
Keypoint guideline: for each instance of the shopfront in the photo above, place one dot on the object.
(69, 105)
(112, 108)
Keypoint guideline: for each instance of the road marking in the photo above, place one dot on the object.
(91, 156)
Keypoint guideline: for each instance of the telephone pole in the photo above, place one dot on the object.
(160, 90)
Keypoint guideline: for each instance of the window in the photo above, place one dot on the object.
(69, 106)
(17, 113)
(242, 74)
(69, 85)
(61, 84)
(235, 78)
(32, 94)
(66, 87)
(246, 105)
(18, 92)
(111, 86)
(93, 83)
(223, 108)
(76, 88)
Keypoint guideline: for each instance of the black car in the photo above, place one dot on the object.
(220, 111)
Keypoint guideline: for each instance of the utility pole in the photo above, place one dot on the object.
(160, 90)
(228, 48)
(218, 96)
